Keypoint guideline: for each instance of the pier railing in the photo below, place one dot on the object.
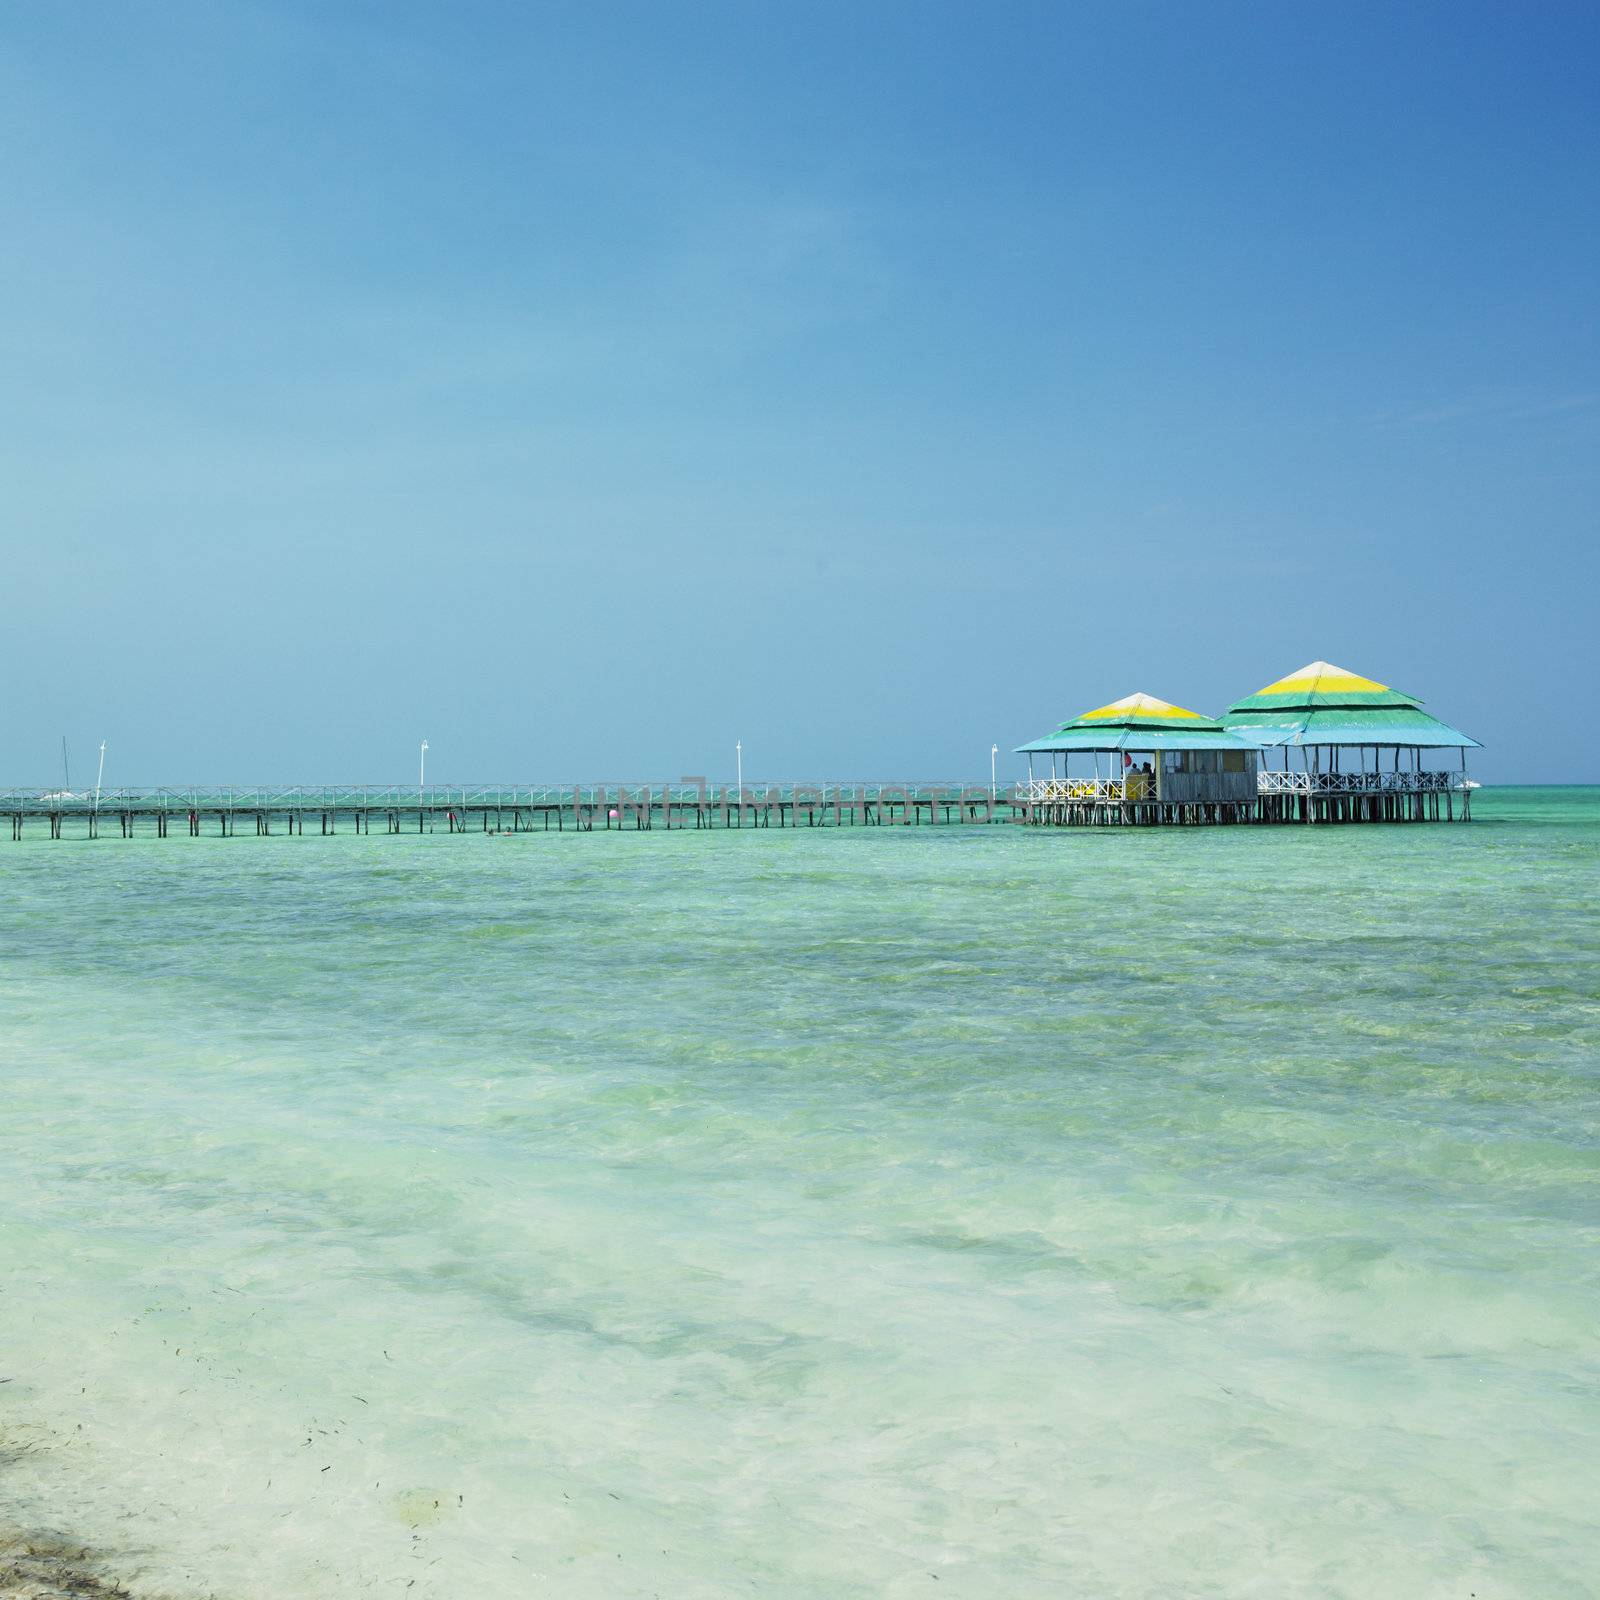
(1084, 791)
(478, 797)
(1341, 783)
(1141, 786)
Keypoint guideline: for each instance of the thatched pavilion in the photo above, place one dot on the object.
(1141, 760)
(1350, 749)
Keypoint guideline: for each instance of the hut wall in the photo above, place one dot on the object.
(1203, 777)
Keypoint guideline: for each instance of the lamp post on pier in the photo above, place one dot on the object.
(422, 769)
(738, 756)
(994, 788)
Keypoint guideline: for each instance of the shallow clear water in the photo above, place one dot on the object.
(882, 1212)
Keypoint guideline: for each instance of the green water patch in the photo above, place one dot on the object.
(810, 1213)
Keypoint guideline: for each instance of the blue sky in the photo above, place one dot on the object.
(582, 387)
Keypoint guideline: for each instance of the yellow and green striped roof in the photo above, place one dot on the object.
(1142, 711)
(1138, 722)
(1324, 704)
(1321, 685)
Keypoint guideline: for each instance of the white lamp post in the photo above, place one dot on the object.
(994, 788)
(738, 756)
(100, 774)
(422, 768)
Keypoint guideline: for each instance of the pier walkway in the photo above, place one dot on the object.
(497, 808)
(1133, 800)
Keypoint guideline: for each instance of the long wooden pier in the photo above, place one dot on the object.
(1282, 797)
(492, 808)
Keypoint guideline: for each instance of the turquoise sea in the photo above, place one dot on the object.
(950, 1212)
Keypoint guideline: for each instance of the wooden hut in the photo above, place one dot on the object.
(1342, 748)
(1140, 760)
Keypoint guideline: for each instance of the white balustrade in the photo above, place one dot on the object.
(1336, 783)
